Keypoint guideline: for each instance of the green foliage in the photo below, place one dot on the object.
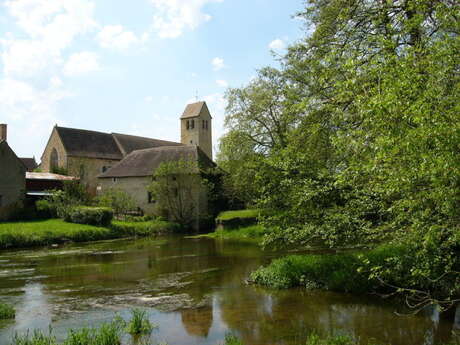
(37, 338)
(101, 216)
(118, 200)
(59, 170)
(139, 323)
(6, 311)
(45, 209)
(355, 139)
(336, 272)
(227, 215)
(144, 228)
(248, 233)
(231, 339)
(72, 194)
(175, 188)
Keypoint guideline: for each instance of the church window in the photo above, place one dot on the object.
(188, 124)
(54, 160)
(191, 141)
(193, 124)
(114, 180)
(204, 122)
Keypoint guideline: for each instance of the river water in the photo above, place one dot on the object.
(195, 291)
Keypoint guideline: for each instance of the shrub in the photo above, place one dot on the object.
(101, 216)
(118, 200)
(45, 209)
(231, 339)
(6, 311)
(139, 323)
(338, 272)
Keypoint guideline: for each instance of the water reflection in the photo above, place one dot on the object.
(194, 290)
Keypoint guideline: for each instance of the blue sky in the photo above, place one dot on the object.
(129, 66)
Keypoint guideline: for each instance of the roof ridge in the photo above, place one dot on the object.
(84, 130)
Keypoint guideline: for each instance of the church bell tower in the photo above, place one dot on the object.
(196, 127)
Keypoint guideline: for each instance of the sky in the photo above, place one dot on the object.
(130, 66)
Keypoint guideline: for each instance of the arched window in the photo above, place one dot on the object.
(193, 124)
(54, 160)
(188, 124)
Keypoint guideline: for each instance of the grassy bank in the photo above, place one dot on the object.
(6, 311)
(337, 272)
(251, 233)
(55, 231)
(242, 214)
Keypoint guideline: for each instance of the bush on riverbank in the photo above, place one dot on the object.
(101, 216)
(6, 311)
(337, 272)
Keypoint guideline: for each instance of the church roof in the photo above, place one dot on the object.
(130, 143)
(92, 144)
(194, 110)
(30, 163)
(142, 163)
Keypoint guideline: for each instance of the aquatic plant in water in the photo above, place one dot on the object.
(6, 311)
(139, 323)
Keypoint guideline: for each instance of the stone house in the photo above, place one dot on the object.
(103, 160)
(12, 178)
(134, 174)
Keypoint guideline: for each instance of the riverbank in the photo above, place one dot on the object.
(56, 231)
(251, 233)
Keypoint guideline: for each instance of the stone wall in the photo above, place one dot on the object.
(12, 181)
(54, 142)
(137, 188)
(88, 170)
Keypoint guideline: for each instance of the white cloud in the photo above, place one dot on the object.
(31, 112)
(81, 63)
(222, 83)
(277, 44)
(116, 37)
(218, 63)
(148, 99)
(175, 16)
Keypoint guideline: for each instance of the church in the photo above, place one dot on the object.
(112, 160)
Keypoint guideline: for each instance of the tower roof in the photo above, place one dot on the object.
(195, 110)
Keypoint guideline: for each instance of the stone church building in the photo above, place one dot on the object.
(113, 160)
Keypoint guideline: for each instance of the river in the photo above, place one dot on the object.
(195, 291)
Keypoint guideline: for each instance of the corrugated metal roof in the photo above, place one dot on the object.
(48, 176)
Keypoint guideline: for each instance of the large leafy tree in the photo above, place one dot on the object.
(370, 146)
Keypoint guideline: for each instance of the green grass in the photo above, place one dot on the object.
(46, 232)
(251, 233)
(146, 228)
(106, 334)
(139, 323)
(336, 272)
(227, 215)
(6, 311)
(231, 339)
